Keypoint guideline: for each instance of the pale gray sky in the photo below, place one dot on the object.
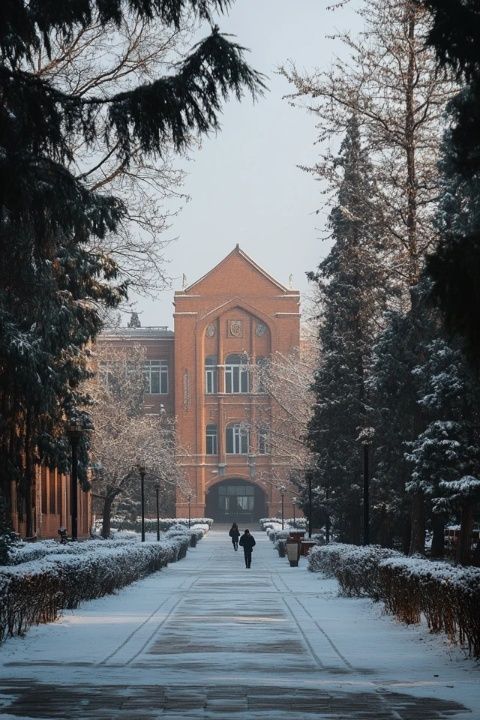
(244, 183)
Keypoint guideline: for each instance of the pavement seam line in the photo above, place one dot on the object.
(149, 639)
(325, 634)
(297, 623)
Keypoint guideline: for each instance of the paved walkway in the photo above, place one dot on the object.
(206, 638)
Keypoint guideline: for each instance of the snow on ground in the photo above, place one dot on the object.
(206, 638)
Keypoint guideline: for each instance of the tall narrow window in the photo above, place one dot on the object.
(212, 440)
(236, 374)
(263, 441)
(237, 439)
(261, 373)
(156, 377)
(211, 375)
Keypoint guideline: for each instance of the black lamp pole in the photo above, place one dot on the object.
(366, 493)
(282, 493)
(157, 492)
(294, 508)
(309, 478)
(141, 470)
(189, 509)
(74, 434)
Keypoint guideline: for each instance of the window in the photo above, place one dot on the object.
(211, 375)
(156, 377)
(263, 441)
(237, 440)
(236, 374)
(212, 440)
(262, 364)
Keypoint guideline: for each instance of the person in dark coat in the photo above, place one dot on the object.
(234, 534)
(247, 541)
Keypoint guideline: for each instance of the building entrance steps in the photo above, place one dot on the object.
(206, 638)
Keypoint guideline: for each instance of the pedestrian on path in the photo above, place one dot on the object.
(234, 534)
(247, 541)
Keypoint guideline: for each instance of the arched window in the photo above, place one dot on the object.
(237, 439)
(212, 440)
(211, 386)
(236, 374)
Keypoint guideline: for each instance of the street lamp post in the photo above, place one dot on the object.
(282, 494)
(309, 480)
(157, 493)
(366, 439)
(74, 432)
(189, 508)
(141, 470)
(294, 507)
(366, 493)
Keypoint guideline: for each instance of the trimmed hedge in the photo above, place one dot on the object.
(36, 592)
(447, 596)
(151, 523)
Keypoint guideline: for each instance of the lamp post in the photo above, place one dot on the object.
(294, 507)
(157, 494)
(309, 481)
(141, 470)
(74, 432)
(366, 438)
(282, 495)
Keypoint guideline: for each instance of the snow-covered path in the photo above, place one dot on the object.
(206, 638)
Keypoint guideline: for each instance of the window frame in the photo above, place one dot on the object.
(237, 439)
(237, 375)
(211, 375)
(211, 433)
(158, 366)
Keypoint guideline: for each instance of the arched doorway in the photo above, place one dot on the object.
(235, 500)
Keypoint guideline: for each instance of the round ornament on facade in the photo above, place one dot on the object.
(261, 329)
(211, 330)
(236, 328)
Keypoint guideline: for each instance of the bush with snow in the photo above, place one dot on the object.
(36, 591)
(118, 523)
(447, 596)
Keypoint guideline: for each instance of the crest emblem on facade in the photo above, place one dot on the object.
(235, 328)
(261, 329)
(211, 330)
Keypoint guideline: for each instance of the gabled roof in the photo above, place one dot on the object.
(239, 253)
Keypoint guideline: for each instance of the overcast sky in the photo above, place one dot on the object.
(244, 183)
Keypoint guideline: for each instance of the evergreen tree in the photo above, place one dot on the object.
(448, 449)
(51, 283)
(398, 420)
(352, 295)
(455, 266)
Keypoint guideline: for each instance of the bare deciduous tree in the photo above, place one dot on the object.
(392, 84)
(100, 61)
(126, 438)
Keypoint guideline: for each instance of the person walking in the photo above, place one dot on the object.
(247, 541)
(234, 534)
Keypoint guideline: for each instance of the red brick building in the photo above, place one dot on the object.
(226, 324)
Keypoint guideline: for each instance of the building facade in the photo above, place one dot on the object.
(208, 374)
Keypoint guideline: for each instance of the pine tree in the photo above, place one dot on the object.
(351, 299)
(398, 419)
(51, 283)
(448, 451)
(455, 266)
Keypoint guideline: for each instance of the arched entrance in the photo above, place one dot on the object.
(235, 500)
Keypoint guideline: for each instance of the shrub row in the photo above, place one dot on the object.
(36, 592)
(151, 523)
(447, 596)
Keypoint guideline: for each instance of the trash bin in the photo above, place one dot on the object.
(293, 553)
(193, 540)
(306, 545)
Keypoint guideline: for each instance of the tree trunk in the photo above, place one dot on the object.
(107, 515)
(464, 550)
(417, 534)
(410, 148)
(29, 484)
(438, 539)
